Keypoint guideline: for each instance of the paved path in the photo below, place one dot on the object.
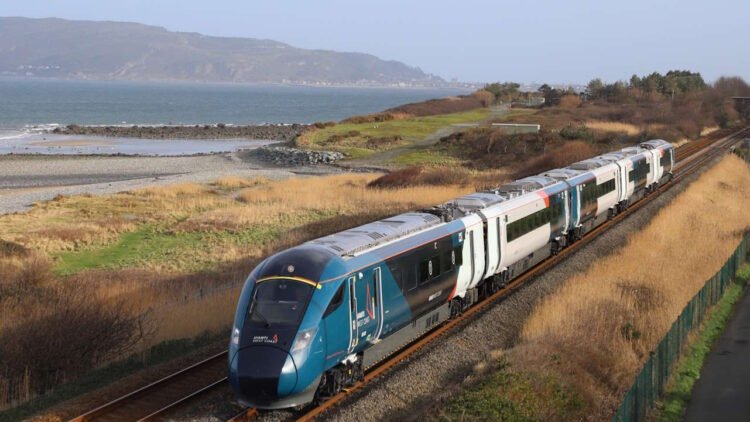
(723, 391)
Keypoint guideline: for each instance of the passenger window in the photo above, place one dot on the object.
(336, 301)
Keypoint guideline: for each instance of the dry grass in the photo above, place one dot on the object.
(617, 127)
(171, 191)
(234, 182)
(344, 194)
(597, 331)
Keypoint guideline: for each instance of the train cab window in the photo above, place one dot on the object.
(446, 262)
(424, 271)
(336, 301)
(435, 268)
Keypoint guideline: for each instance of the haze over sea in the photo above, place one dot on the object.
(26, 103)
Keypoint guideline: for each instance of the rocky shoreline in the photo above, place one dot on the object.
(218, 131)
(285, 156)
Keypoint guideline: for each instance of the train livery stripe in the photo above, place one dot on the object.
(300, 279)
(544, 196)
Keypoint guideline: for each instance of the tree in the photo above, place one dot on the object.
(506, 91)
(595, 88)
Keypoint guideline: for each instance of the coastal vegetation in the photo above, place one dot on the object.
(585, 343)
(678, 106)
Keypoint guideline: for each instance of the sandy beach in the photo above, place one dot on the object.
(26, 179)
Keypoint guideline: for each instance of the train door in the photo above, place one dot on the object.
(353, 327)
(367, 305)
(379, 302)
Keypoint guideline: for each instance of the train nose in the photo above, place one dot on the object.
(264, 375)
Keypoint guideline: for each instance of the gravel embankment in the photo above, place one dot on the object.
(28, 179)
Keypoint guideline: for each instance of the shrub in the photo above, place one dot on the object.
(397, 178)
(415, 176)
(323, 125)
(576, 132)
(375, 143)
(570, 101)
(568, 153)
(372, 118)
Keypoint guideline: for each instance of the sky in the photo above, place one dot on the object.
(553, 41)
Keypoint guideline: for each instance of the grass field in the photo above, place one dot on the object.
(355, 139)
(593, 335)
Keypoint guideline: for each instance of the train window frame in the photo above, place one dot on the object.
(336, 300)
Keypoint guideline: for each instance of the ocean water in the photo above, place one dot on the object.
(29, 105)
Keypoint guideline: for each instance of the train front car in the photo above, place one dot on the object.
(278, 344)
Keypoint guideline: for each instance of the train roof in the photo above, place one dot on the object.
(655, 144)
(358, 239)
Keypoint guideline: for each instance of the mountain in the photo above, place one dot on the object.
(132, 51)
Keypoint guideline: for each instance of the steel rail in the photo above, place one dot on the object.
(156, 398)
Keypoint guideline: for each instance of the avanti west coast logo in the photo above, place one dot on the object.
(266, 339)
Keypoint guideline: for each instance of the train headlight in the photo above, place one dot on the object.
(304, 338)
(236, 337)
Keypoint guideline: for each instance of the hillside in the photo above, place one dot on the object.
(118, 50)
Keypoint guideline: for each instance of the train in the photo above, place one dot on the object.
(312, 319)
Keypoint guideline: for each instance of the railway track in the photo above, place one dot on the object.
(155, 400)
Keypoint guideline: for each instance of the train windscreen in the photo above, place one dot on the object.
(279, 302)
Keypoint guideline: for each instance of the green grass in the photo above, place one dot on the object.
(183, 251)
(410, 130)
(153, 245)
(162, 352)
(688, 368)
(512, 396)
(426, 157)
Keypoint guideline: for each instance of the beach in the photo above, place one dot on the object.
(26, 179)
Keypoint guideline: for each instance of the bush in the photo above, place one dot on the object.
(397, 178)
(323, 125)
(576, 132)
(415, 176)
(570, 101)
(65, 331)
(375, 143)
(567, 154)
(372, 118)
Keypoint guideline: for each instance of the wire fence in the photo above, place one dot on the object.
(650, 382)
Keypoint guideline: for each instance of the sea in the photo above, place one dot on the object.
(29, 107)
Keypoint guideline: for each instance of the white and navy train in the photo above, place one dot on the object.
(313, 318)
